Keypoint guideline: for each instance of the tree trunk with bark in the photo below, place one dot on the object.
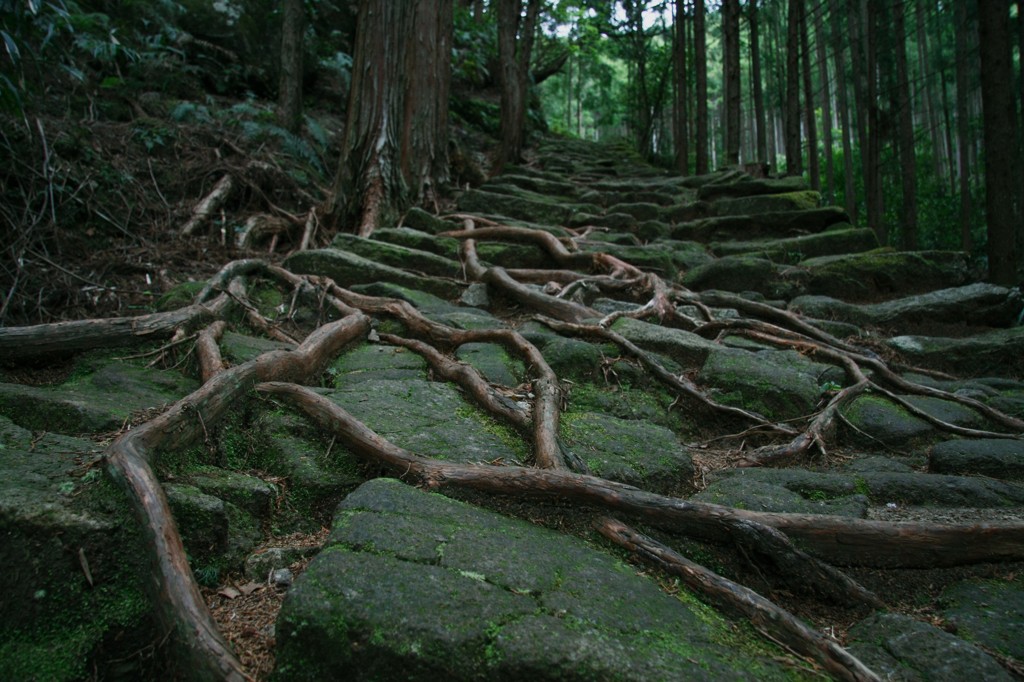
(963, 63)
(731, 68)
(813, 165)
(289, 91)
(757, 86)
(1000, 136)
(826, 104)
(682, 109)
(908, 159)
(700, 58)
(395, 148)
(794, 162)
(515, 47)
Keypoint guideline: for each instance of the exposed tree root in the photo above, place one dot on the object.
(797, 545)
(130, 459)
(777, 623)
(840, 540)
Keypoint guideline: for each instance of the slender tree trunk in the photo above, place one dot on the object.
(760, 122)
(395, 146)
(681, 132)
(700, 57)
(849, 193)
(1000, 126)
(515, 46)
(826, 105)
(813, 164)
(876, 206)
(962, 64)
(289, 91)
(908, 159)
(794, 164)
(927, 97)
(731, 67)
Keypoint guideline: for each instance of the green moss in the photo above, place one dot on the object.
(505, 434)
(179, 296)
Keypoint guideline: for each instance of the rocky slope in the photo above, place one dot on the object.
(710, 368)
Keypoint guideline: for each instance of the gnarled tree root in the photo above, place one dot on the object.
(838, 540)
(130, 459)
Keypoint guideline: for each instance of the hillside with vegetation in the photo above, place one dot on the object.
(511, 339)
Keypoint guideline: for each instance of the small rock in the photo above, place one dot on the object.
(282, 577)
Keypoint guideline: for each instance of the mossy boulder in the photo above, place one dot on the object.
(899, 647)
(777, 384)
(878, 419)
(998, 458)
(414, 586)
(1000, 351)
(732, 273)
(683, 347)
(884, 273)
(58, 514)
(99, 396)
(635, 452)
(347, 269)
(989, 613)
(796, 249)
(768, 203)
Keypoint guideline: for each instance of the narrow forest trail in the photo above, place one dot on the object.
(815, 444)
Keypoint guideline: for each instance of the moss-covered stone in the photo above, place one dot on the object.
(777, 384)
(98, 397)
(732, 273)
(902, 648)
(493, 362)
(398, 256)
(347, 269)
(56, 517)
(414, 586)
(768, 203)
(883, 273)
(634, 452)
(989, 613)
(430, 419)
(796, 249)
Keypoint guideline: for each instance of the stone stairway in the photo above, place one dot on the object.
(411, 585)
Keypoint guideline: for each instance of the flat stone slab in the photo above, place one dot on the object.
(347, 269)
(976, 304)
(100, 396)
(57, 506)
(636, 452)
(997, 352)
(414, 586)
(900, 648)
(847, 494)
(430, 419)
(988, 612)
(998, 458)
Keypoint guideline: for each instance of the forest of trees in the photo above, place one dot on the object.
(888, 108)
(907, 113)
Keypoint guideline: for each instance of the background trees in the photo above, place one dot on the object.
(880, 103)
(887, 97)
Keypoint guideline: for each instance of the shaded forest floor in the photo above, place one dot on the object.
(122, 192)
